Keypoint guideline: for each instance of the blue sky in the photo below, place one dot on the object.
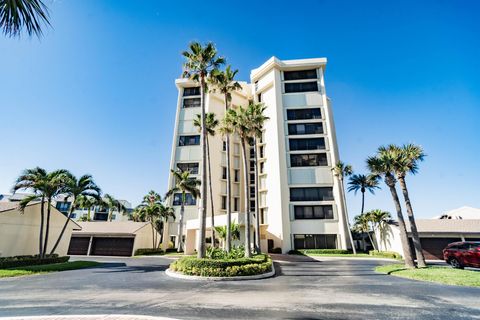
(96, 94)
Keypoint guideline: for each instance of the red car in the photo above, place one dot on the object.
(463, 254)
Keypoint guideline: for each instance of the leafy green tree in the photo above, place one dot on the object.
(224, 82)
(212, 123)
(383, 164)
(112, 205)
(201, 62)
(362, 183)
(379, 220)
(88, 202)
(361, 224)
(234, 232)
(341, 170)
(183, 184)
(73, 189)
(16, 15)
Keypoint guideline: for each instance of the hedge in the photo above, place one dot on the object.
(148, 252)
(385, 254)
(23, 261)
(223, 268)
(320, 251)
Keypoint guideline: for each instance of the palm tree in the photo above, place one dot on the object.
(183, 184)
(201, 61)
(112, 204)
(383, 164)
(341, 170)
(363, 183)
(18, 14)
(362, 226)
(84, 186)
(379, 219)
(226, 84)
(87, 202)
(46, 187)
(211, 123)
(234, 232)
(406, 160)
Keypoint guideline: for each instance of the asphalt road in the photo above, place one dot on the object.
(303, 289)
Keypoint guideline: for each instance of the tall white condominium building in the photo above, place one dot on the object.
(301, 204)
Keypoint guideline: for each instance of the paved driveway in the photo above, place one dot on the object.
(303, 289)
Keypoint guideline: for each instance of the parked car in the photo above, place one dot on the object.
(463, 254)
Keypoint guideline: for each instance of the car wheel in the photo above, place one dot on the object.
(455, 263)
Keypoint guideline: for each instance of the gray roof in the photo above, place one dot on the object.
(445, 225)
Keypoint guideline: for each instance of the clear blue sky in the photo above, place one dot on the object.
(97, 95)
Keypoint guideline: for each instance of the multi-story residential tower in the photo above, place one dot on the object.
(301, 205)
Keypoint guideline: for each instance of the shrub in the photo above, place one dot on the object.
(23, 261)
(223, 267)
(148, 251)
(276, 250)
(218, 253)
(385, 254)
(319, 251)
(172, 250)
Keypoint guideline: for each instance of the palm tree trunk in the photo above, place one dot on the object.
(88, 214)
(110, 213)
(371, 240)
(70, 211)
(248, 252)
(202, 214)
(347, 220)
(180, 224)
(228, 237)
(42, 223)
(363, 201)
(47, 227)
(153, 236)
(413, 226)
(211, 193)
(257, 206)
(407, 253)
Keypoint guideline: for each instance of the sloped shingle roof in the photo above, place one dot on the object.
(116, 227)
(445, 225)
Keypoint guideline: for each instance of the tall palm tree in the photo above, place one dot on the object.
(406, 160)
(113, 204)
(362, 183)
(383, 164)
(361, 225)
(342, 170)
(225, 82)
(46, 186)
(87, 202)
(18, 14)
(211, 123)
(183, 184)
(84, 186)
(201, 61)
(379, 219)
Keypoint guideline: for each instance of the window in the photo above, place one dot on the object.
(236, 202)
(191, 103)
(194, 91)
(259, 97)
(300, 74)
(262, 167)
(224, 202)
(308, 160)
(262, 216)
(307, 144)
(114, 216)
(191, 166)
(73, 216)
(252, 178)
(189, 199)
(252, 191)
(313, 212)
(311, 194)
(252, 205)
(305, 128)
(315, 241)
(224, 173)
(304, 114)
(224, 145)
(63, 206)
(236, 174)
(189, 140)
(301, 87)
(262, 152)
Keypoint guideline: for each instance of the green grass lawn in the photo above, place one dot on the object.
(23, 271)
(444, 275)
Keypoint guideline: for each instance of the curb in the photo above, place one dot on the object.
(177, 275)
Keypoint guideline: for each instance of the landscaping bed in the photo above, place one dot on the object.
(44, 268)
(21, 261)
(444, 275)
(149, 252)
(207, 267)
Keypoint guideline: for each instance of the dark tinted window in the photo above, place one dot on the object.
(192, 167)
(195, 91)
(307, 144)
(304, 114)
(191, 102)
(300, 74)
(189, 199)
(189, 140)
(305, 128)
(313, 212)
(301, 86)
(311, 194)
(308, 160)
(315, 241)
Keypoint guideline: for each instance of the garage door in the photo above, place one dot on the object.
(112, 247)
(433, 247)
(78, 245)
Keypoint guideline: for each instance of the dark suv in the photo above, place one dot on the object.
(463, 254)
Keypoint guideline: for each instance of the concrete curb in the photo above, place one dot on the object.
(177, 275)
